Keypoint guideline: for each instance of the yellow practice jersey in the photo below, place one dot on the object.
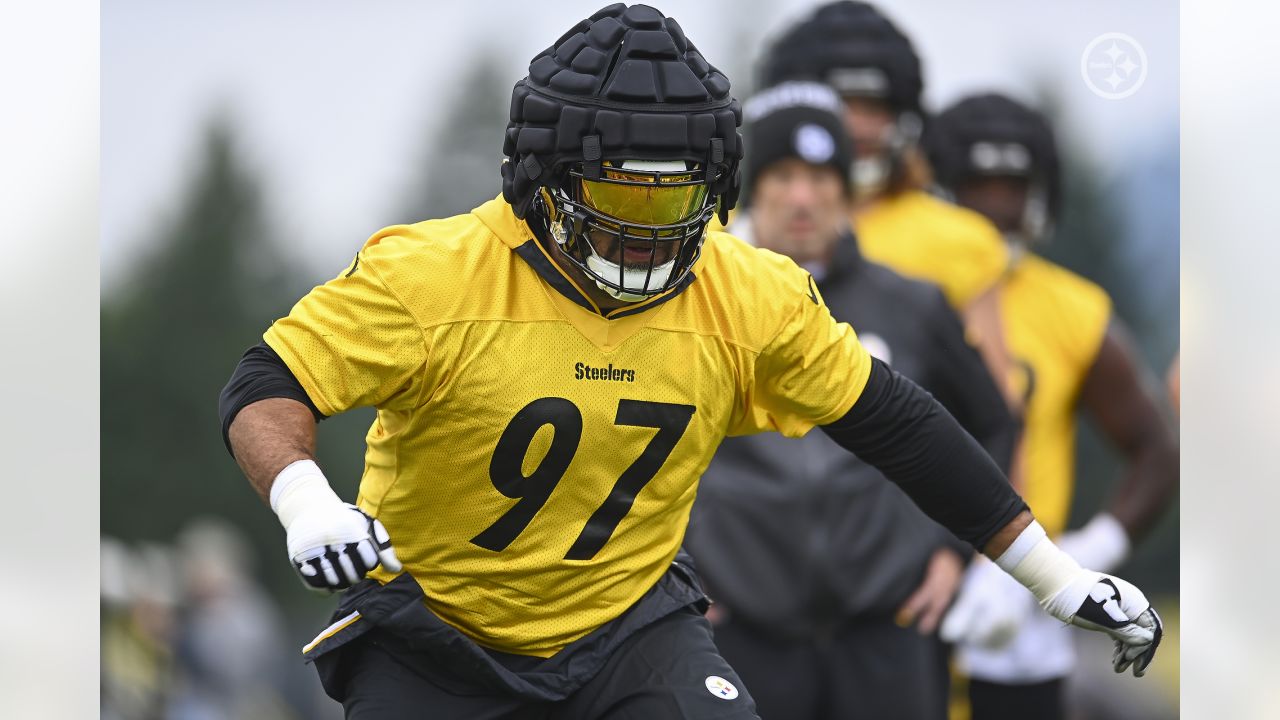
(926, 238)
(535, 461)
(1054, 322)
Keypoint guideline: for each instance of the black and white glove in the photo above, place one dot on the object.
(1086, 598)
(1105, 603)
(332, 544)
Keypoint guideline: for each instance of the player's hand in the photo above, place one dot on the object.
(989, 610)
(941, 580)
(1096, 601)
(1102, 544)
(335, 545)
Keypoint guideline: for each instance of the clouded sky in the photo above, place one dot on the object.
(333, 98)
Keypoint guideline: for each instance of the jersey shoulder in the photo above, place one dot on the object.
(1051, 295)
(1074, 294)
(931, 219)
(433, 267)
(747, 292)
(926, 237)
(953, 222)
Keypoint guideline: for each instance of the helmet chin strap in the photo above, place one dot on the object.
(1036, 222)
(871, 174)
(1034, 228)
(631, 279)
(1018, 247)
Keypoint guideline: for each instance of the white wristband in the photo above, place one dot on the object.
(1038, 564)
(299, 487)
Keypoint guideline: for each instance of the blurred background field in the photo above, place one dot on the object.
(248, 149)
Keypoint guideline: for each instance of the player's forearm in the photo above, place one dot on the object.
(1149, 484)
(982, 412)
(1119, 393)
(901, 430)
(268, 435)
(1007, 534)
(268, 420)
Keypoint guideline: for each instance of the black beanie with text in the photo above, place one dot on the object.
(796, 119)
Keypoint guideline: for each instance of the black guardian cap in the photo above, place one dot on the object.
(860, 53)
(622, 130)
(853, 48)
(995, 135)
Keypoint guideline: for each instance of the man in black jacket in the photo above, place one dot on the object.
(829, 581)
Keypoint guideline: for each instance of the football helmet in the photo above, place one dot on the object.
(992, 135)
(860, 53)
(623, 144)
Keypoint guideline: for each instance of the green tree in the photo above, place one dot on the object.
(459, 168)
(172, 332)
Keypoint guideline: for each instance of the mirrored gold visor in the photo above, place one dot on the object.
(651, 200)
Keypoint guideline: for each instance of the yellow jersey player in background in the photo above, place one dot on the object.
(830, 584)
(871, 63)
(999, 157)
(552, 372)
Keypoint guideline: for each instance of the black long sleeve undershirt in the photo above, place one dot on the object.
(261, 374)
(895, 426)
(902, 431)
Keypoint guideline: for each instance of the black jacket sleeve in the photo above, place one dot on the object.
(961, 381)
(907, 435)
(261, 374)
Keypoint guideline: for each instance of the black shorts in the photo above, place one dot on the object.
(867, 669)
(997, 701)
(657, 660)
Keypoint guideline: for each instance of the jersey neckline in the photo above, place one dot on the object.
(516, 234)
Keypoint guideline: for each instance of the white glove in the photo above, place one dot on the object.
(332, 544)
(1085, 598)
(1102, 544)
(989, 609)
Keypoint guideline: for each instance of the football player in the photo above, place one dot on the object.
(552, 372)
(829, 583)
(998, 157)
(872, 64)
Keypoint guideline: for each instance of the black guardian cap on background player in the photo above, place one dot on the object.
(860, 53)
(993, 135)
(854, 49)
(623, 133)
